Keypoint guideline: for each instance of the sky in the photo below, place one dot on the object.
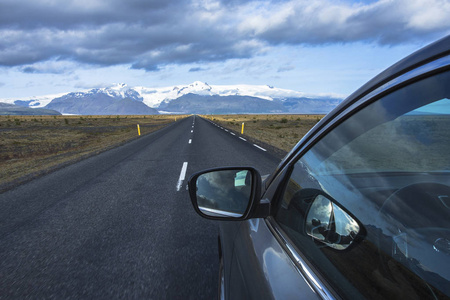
(312, 46)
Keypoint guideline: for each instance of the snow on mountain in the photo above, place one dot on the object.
(120, 91)
(153, 97)
(117, 91)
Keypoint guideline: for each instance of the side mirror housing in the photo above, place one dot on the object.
(228, 193)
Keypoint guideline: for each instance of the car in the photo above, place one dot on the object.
(359, 208)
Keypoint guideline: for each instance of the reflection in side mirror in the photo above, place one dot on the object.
(224, 193)
(328, 223)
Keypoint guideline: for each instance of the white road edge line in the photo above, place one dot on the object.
(259, 147)
(182, 176)
(242, 139)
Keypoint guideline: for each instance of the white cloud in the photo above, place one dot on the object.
(429, 15)
(50, 67)
(323, 21)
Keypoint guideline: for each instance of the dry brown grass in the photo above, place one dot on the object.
(280, 131)
(36, 144)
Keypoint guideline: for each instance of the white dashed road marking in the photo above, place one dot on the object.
(182, 175)
(259, 147)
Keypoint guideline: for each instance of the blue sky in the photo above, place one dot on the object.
(316, 47)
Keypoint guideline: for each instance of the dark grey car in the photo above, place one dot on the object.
(360, 208)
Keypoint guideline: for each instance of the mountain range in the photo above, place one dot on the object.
(17, 110)
(195, 98)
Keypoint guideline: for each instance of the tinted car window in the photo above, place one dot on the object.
(369, 204)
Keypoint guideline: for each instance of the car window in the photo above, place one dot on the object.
(369, 204)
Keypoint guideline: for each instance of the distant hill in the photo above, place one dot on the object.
(16, 110)
(305, 105)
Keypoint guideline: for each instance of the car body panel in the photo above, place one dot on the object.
(274, 275)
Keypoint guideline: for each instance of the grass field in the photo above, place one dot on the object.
(280, 131)
(34, 145)
(31, 145)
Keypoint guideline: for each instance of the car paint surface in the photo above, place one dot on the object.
(274, 275)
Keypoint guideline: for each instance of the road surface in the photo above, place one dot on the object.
(120, 224)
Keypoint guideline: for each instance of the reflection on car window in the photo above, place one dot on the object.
(388, 166)
(399, 145)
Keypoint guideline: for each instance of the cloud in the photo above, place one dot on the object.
(49, 67)
(285, 68)
(152, 34)
(323, 22)
(197, 69)
(89, 86)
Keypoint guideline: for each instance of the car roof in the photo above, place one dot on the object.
(421, 57)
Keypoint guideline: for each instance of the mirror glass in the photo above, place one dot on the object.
(328, 223)
(224, 193)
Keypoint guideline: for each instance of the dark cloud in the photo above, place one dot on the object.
(149, 34)
(26, 14)
(43, 70)
(30, 70)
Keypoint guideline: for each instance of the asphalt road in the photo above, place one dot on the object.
(120, 224)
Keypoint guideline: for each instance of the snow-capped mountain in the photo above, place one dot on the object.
(116, 100)
(153, 97)
(197, 97)
(119, 91)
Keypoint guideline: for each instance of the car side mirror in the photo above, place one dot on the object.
(328, 223)
(229, 193)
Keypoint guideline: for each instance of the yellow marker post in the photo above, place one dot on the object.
(242, 130)
(139, 129)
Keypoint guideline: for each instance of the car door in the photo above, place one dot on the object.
(362, 210)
